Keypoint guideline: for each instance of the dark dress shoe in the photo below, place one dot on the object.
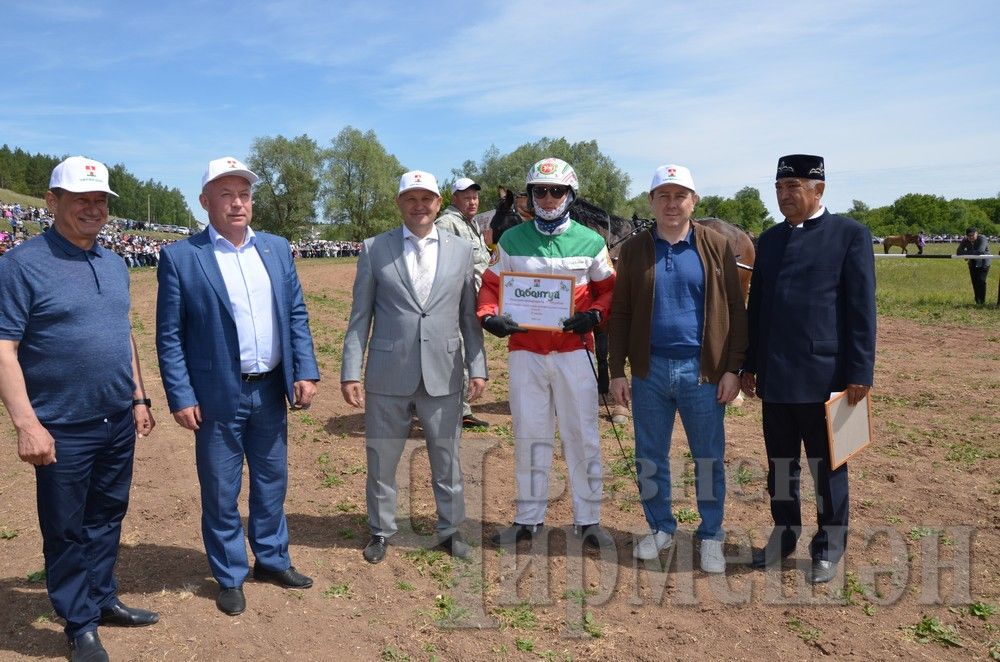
(594, 535)
(87, 648)
(515, 533)
(231, 601)
(455, 546)
(822, 571)
(375, 549)
(285, 578)
(761, 558)
(470, 421)
(129, 617)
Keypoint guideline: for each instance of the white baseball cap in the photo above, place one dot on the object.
(227, 165)
(672, 174)
(463, 183)
(418, 179)
(79, 174)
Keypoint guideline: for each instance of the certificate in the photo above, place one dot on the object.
(849, 429)
(537, 301)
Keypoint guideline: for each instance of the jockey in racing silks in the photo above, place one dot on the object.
(550, 374)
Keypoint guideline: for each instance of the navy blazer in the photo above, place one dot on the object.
(196, 340)
(812, 310)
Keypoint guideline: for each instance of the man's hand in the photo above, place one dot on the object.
(620, 390)
(476, 387)
(582, 322)
(502, 325)
(305, 391)
(729, 388)
(188, 418)
(144, 422)
(748, 384)
(856, 393)
(35, 445)
(354, 395)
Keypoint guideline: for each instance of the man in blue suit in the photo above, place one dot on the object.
(233, 339)
(812, 332)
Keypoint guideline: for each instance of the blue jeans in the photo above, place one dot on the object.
(672, 386)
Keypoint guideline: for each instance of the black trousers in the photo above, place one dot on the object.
(978, 276)
(787, 428)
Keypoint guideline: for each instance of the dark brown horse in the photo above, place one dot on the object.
(901, 240)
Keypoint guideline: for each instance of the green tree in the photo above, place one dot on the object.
(744, 209)
(601, 181)
(360, 181)
(286, 195)
(918, 211)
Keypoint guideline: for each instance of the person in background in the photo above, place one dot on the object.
(979, 270)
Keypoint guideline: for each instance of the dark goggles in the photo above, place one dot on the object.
(539, 192)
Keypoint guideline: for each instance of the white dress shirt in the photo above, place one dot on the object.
(430, 248)
(250, 293)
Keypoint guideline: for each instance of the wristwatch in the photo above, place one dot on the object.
(142, 401)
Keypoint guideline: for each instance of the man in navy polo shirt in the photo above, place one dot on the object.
(70, 380)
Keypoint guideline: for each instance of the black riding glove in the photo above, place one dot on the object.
(582, 322)
(502, 326)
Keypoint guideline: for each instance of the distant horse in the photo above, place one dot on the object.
(901, 240)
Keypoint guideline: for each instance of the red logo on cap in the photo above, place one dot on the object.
(91, 170)
(416, 177)
(547, 168)
(671, 172)
(231, 163)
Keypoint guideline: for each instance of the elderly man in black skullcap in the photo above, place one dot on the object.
(812, 331)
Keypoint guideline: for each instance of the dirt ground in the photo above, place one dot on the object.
(921, 576)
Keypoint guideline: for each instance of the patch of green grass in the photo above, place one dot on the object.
(404, 586)
(894, 519)
(447, 611)
(345, 506)
(524, 645)
(579, 595)
(803, 631)
(686, 515)
(520, 617)
(967, 453)
(743, 476)
(7, 534)
(332, 480)
(623, 466)
(433, 563)
(589, 625)
(919, 532)
(852, 588)
(929, 629)
(37, 577)
(347, 534)
(982, 610)
(394, 654)
(355, 469)
(338, 591)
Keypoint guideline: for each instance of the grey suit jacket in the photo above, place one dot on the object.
(409, 342)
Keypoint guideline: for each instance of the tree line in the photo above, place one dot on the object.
(346, 189)
(29, 174)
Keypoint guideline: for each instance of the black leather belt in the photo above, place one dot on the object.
(255, 376)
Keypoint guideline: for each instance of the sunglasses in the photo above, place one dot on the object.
(539, 192)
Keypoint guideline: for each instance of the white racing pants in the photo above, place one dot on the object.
(544, 388)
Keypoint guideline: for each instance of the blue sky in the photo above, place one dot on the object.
(898, 96)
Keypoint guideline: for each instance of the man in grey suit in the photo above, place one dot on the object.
(417, 286)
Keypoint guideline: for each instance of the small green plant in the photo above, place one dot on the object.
(687, 515)
(405, 586)
(7, 534)
(345, 506)
(394, 654)
(346, 534)
(338, 591)
(743, 476)
(590, 625)
(623, 466)
(579, 595)
(982, 610)
(525, 645)
(37, 577)
(929, 629)
(869, 609)
(332, 480)
(447, 611)
(894, 519)
(520, 617)
(918, 532)
(43, 618)
(852, 587)
(804, 632)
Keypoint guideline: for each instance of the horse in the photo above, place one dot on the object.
(900, 240)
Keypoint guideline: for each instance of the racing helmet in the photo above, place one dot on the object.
(553, 171)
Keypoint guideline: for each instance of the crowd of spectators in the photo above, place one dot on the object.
(325, 248)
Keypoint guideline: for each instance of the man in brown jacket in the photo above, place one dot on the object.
(677, 315)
